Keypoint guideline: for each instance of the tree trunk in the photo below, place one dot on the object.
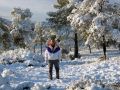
(41, 42)
(34, 50)
(119, 46)
(76, 46)
(41, 47)
(104, 46)
(89, 48)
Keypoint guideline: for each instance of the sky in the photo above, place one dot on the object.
(39, 8)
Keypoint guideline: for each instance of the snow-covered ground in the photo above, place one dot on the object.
(88, 67)
(22, 69)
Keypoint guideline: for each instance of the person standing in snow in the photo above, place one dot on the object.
(53, 56)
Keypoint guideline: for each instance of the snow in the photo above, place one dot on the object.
(21, 24)
(74, 2)
(87, 68)
(22, 69)
(87, 17)
(1, 32)
(38, 87)
(116, 34)
(21, 55)
(114, 1)
(24, 85)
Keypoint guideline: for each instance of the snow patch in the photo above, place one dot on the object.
(21, 55)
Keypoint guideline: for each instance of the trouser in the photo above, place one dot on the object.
(56, 65)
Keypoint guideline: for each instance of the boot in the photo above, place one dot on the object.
(57, 74)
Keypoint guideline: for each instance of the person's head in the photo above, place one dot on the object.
(53, 37)
(52, 40)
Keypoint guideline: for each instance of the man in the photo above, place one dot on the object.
(52, 56)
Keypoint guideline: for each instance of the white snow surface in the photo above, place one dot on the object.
(20, 76)
(21, 55)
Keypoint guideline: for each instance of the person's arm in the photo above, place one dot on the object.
(46, 55)
(60, 55)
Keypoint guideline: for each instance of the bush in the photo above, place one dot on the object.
(21, 55)
(65, 51)
(71, 56)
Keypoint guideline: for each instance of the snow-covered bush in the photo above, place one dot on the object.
(7, 72)
(103, 74)
(88, 86)
(30, 86)
(5, 37)
(32, 59)
(4, 82)
(6, 87)
(71, 55)
(31, 63)
(21, 55)
(83, 85)
(24, 86)
(38, 87)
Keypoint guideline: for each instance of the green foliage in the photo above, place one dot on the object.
(0, 39)
(18, 41)
(61, 3)
(3, 27)
(115, 24)
(5, 38)
(5, 41)
(59, 19)
(21, 27)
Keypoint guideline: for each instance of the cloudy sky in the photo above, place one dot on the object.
(39, 8)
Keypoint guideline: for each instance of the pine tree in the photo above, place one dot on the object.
(5, 38)
(98, 18)
(21, 27)
(61, 3)
(38, 38)
(58, 21)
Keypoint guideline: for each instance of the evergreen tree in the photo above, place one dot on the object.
(58, 20)
(61, 3)
(99, 18)
(38, 37)
(5, 38)
(21, 27)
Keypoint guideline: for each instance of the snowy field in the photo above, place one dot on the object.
(21, 69)
(22, 75)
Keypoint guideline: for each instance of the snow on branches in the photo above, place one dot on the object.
(21, 24)
(96, 18)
